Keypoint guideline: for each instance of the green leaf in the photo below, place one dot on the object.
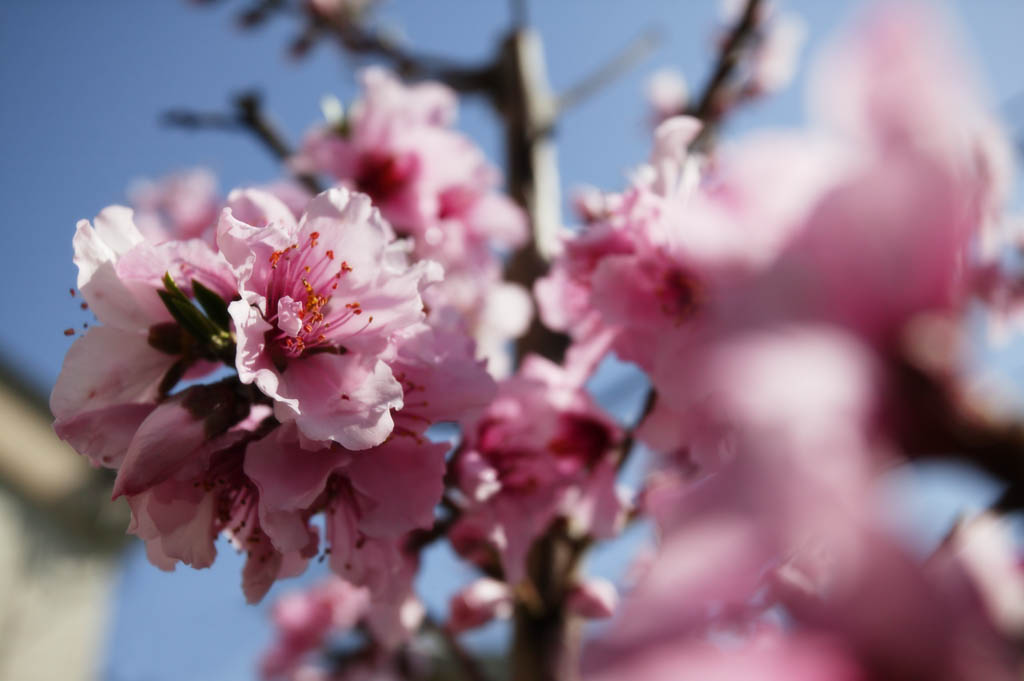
(216, 308)
(172, 287)
(189, 316)
(215, 339)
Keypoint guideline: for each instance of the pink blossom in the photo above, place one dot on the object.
(440, 376)
(749, 386)
(798, 659)
(593, 598)
(434, 185)
(367, 518)
(529, 458)
(180, 206)
(111, 376)
(322, 298)
(750, 239)
(986, 547)
(478, 603)
(782, 517)
(304, 619)
(188, 490)
(669, 259)
(428, 180)
(758, 535)
(667, 94)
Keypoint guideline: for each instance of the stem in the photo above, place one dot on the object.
(356, 38)
(251, 115)
(471, 671)
(547, 638)
(528, 108)
(713, 102)
(627, 443)
(248, 116)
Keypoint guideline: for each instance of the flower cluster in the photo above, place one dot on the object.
(790, 299)
(269, 366)
(434, 186)
(334, 376)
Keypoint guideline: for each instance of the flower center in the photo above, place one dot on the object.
(302, 297)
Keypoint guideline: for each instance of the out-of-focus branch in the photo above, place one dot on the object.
(637, 50)
(934, 425)
(247, 117)
(528, 109)
(714, 98)
(442, 526)
(628, 442)
(357, 38)
(468, 665)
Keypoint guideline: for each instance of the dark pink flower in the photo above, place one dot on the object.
(539, 451)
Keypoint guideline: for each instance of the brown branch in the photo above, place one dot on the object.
(471, 670)
(713, 101)
(422, 539)
(359, 39)
(248, 117)
(626, 448)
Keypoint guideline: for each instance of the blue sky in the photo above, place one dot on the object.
(86, 82)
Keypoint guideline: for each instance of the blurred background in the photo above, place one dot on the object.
(86, 84)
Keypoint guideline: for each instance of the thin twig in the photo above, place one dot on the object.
(195, 120)
(359, 39)
(248, 117)
(442, 526)
(626, 448)
(710, 105)
(637, 50)
(471, 670)
(250, 112)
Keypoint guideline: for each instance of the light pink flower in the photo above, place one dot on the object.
(986, 547)
(180, 206)
(321, 301)
(594, 598)
(428, 180)
(751, 385)
(478, 603)
(304, 619)
(667, 94)
(670, 259)
(111, 377)
(435, 186)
